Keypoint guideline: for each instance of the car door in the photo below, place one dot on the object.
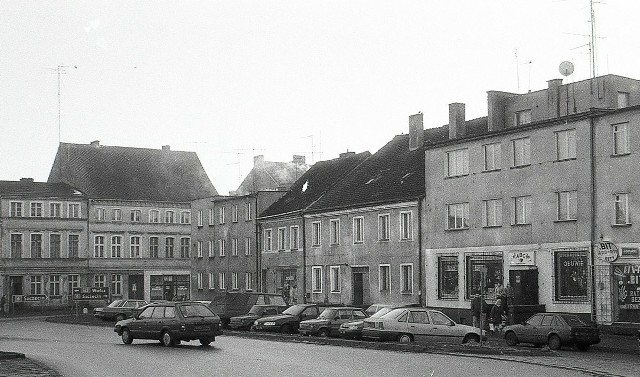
(545, 328)
(529, 330)
(444, 329)
(419, 325)
(139, 324)
(343, 315)
(155, 323)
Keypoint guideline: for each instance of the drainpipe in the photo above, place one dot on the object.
(304, 260)
(420, 256)
(256, 233)
(592, 160)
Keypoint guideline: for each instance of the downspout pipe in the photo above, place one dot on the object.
(304, 260)
(592, 160)
(421, 276)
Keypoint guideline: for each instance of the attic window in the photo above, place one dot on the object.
(305, 186)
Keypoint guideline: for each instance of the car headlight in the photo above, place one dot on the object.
(269, 323)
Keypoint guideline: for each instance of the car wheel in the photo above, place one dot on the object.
(511, 338)
(126, 336)
(120, 317)
(583, 347)
(405, 339)
(554, 342)
(323, 333)
(205, 341)
(286, 329)
(471, 338)
(167, 339)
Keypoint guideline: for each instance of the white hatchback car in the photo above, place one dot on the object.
(407, 325)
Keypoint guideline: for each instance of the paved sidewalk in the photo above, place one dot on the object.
(16, 364)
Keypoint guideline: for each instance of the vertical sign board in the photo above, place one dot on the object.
(628, 277)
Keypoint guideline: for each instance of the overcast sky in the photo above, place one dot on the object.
(230, 79)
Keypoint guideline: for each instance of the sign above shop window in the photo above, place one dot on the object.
(522, 258)
(629, 252)
(607, 251)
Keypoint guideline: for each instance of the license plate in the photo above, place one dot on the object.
(201, 328)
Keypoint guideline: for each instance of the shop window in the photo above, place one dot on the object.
(571, 277)
(448, 277)
(474, 266)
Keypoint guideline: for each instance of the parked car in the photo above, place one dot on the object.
(171, 323)
(119, 309)
(353, 329)
(374, 308)
(329, 321)
(289, 320)
(244, 322)
(554, 329)
(232, 304)
(407, 325)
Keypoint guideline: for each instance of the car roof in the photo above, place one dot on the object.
(344, 307)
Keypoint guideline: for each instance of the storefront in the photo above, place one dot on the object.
(170, 287)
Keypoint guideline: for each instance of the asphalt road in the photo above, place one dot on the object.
(78, 350)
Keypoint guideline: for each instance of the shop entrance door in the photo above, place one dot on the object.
(358, 289)
(16, 285)
(525, 286)
(136, 287)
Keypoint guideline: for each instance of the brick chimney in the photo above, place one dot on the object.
(258, 160)
(416, 131)
(347, 154)
(553, 96)
(95, 143)
(166, 147)
(300, 160)
(496, 104)
(457, 122)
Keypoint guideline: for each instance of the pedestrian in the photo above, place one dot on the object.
(476, 310)
(3, 301)
(496, 315)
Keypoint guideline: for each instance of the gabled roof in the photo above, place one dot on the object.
(270, 175)
(108, 172)
(38, 190)
(314, 183)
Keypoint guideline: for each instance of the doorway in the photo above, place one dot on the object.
(15, 282)
(525, 286)
(358, 289)
(136, 287)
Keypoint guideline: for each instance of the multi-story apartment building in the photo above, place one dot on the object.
(43, 241)
(531, 195)
(284, 242)
(139, 215)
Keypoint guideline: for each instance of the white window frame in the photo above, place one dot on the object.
(521, 151)
(135, 215)
(566, 145)
(51, 236)
(76, 252)
(154, 216)
(156, 246)
(460, 212)
(522, 210)
(492, 156)
(36, 285)
(211, 249)
(221, 216)
(316, 279)
(620, 139)
(247, 246)
(16, 207)
(169, 247)
(294, 237)
(456, 163)
(116, 247)
(98, 248)
(334, 278)
(282, 239)
(212, 280)
(185, 217)
(234, 281)
(234, 247)
(491, 213)
(200, 218)
(334, 232)
(54, 285)
(568, 200)
(116, 214)
(406, 225)
(248, 281)
(621, 200)
(404, 289)
(100, 214)
(384, 227)
(99, 280)
(222, 280)
(31, 245)
(116, 284)
(185, 247)
(212, 219)
(358, 229)
(199, 247)
(36, 209)
(248, 213)
(73, 210)
(222, 245)
(134, 248)
(267, 240)
(199, 280)
(316, 233)
(169, 217)
(55, 207)
(234, 213)
(384, 269)
(73, 281)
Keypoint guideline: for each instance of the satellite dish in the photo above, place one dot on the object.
(566, 68)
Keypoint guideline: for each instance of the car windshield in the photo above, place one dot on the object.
(381, 312)
(328, 314)
(196, 311)
(573, 320)
(255, 309)
(115, 304)
(295, 310)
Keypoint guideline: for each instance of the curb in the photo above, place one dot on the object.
(11, 355)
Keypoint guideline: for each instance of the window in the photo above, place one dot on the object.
(184, 247)
(234, 213)
(199, 249)
(99, 281)
(169, 217)
(248, 213)
(523, 117)
(16, 209)
(406, 226)
(492, 155)
(154, 245)
(566, 145)
(620, 139)
(36, 209)
(221, 247)
(316, 279)
(623, 100)
(154, 216)
(234, 247)
(334, 232)
(185, 217)
(335, 278)
(200, 218)
(16, 245)
(294, 237)
(74, 245)
(134, 251)
(457, 163)
(36, 245)
(521, 152)
(571, 277)
(73, 281)
(358, 229)
(458, 216)
(211, 220)
(36, 284)
(210, 248)
(135, 215)
(268, 240)
(220, 215)
(116, 214)
(212, 279)
(384, 278)
(116, 284)
(54, 285)
(99, 214)
(281, 238)
(621, 207)
(406, 278)
(74, 211)
(383, 227)
(55, 242)
(234, 280)
(247, 246)
(448, 277)
(522, 210)
(222, 278)
(55, 210)
(199, 278)
(248, 281)
(116, 246)
(567, 205)
(98, 247)
(475, 264)
(169, 247)
(492, 213)
(316, 233)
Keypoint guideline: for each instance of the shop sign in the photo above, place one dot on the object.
(628, 277)
(522, 258)
(607, 251)
(630, 252)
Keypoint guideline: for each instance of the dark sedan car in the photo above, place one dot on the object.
(244, 322)
(171, 323)
(554, 329)
(119, 309)
(329, 321)
(289, 320)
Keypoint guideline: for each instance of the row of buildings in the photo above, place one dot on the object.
(540, 195)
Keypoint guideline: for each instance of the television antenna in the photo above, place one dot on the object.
(60, 70)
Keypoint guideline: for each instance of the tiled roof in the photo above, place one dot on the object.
(270, 175)
(475, 127)
(38, 190)
(392, 174)
(108, 172)
(314, 183)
